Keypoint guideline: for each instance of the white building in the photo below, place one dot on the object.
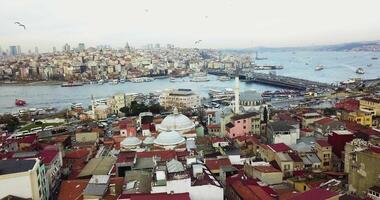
(180, 98)
(197, 180)
(282, 132)
(23, 178)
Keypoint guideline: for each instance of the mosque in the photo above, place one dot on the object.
(172, 132)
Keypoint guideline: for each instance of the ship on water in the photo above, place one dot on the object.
(360, 70)
(319, 67)
(224, 78)
(71, 84)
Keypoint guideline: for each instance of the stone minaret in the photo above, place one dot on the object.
(237, 95)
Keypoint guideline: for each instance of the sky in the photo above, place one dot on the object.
(218, 23)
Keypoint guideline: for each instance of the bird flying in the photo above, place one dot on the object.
(22, 25)
(198, 41)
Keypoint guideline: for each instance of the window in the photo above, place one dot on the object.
(244, 121)
(244, 127)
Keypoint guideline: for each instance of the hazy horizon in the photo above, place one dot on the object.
(218, 23)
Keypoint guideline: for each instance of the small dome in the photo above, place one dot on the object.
(169, 138)
(130, 141)
(149, 140)
(176, 122)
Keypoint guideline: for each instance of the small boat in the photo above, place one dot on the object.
(224, 78)
(172, 79)
(20, 102)
(200, 79)
(319, 67)
(114, 82)
(142, 79)
(71, 84)
(360, 70)
(374, 58)
(369, 65)
(101, 82)
(122, 80)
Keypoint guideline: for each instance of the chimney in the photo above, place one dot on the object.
(237, 94)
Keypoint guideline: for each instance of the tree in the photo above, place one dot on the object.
(10, 122)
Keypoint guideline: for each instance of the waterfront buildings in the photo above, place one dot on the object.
(24, 178)
(180, 98)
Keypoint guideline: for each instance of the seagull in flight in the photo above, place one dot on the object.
(22, 25)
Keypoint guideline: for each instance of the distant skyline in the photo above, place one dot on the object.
(218, 23)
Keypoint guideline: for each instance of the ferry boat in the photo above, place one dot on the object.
(101, 82)
(224, 78)
(350, 81)
(319, 67)
(142, 79)
(172, 79)
(374, 58)
(71, 84)
(122, 80)
(360, 70)
(20, 102)
(200, 79)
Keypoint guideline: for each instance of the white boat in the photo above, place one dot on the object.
(172, 79)
(369, 65)
(101, 82)
(200, 79)
(360, 70)
(122, 80)
(114, 82)
(319, 67)
(224, 78)
(142, 79)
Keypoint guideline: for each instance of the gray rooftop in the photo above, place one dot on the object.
(15, 166)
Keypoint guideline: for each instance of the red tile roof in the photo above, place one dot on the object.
(157, 196)
(215, 164)
(324, 121)
(279, 147)
(127, 156)
(374, 149)
(47, 156)
(28, 139)
(315, 194)
(72, 189)
(76, 154)
(266, 169)
(165, 155)
(323, 143)
(213, 126)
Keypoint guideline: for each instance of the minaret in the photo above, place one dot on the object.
(237, 94)
(93, 106)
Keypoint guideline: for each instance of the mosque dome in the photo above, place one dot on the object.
(176, 122)
(149, 140)
(169, 138)
(130, 141)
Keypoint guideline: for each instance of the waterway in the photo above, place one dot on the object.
(339, 66)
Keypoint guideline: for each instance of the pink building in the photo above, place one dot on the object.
(240, 125)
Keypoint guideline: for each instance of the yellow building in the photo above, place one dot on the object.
(371, 105)
(324, 153)
(361, 117)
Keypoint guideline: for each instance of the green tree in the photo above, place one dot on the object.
(10, 122)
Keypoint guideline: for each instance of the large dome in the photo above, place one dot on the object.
(149, 140)
(176, 122)
(169, 138)
(130, 141)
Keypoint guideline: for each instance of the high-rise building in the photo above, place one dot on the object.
(12, 50)
(81, 47)
(18, 49)
(23, 178)
(54, 50)
(157, 46)
(36, 50)
(66, 47)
